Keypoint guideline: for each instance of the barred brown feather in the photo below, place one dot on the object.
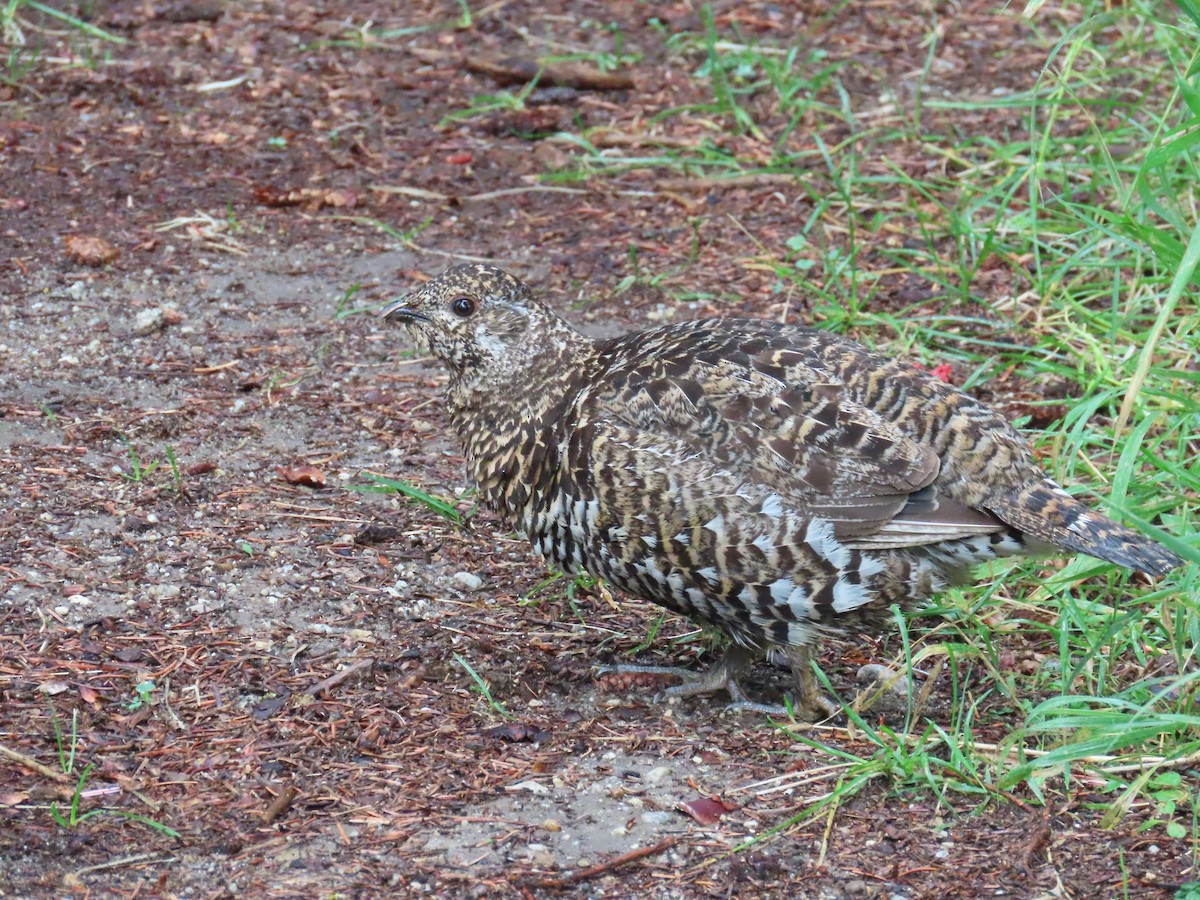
(776, 481)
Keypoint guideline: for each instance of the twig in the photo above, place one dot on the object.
(337, 678)
(604, 138)
(608, 865)
(28, 763)
(515, 70)
(532, 189)
(121, 861)
(422, 194)
(762, 179)
(281, 804)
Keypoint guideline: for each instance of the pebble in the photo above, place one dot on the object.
(468, 581)
(655, 775)
(873, 672)
(149, 321)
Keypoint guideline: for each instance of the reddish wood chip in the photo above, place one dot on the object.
(311, 199)
(706, 810)
(309, 476)
(90, 251)
(626, 681)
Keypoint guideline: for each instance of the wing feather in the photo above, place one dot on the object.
(796, 434)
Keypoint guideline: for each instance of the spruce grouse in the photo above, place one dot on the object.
(778, 482)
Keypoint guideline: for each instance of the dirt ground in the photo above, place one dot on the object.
(185, 406)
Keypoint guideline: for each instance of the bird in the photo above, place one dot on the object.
(778, 482)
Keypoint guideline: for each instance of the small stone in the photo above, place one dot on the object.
(877, 675)
(550, 825)
(468, 581)
(149, 321)
(656, 775)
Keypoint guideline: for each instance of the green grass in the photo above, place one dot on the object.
(484, 689)
(24, 25)
(381, 484)
(73, 816)
(12, 14)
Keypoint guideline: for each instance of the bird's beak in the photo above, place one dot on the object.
(397, 310)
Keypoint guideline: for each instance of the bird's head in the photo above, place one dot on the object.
(477, 319)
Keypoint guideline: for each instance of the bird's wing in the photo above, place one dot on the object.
(803, 440)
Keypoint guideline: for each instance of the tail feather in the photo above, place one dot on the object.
(1047, 512)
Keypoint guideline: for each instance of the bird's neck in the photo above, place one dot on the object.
(509, 416)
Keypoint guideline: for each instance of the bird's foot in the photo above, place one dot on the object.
(814, 708)
(691, 681)
(722, 676)
(810, 705)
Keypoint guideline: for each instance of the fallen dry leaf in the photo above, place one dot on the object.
(90, 251)
(311, 199)
(309, 476)
(706, 810)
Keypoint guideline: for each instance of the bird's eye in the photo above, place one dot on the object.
(462, 306)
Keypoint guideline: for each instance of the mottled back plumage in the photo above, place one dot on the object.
(776, 481)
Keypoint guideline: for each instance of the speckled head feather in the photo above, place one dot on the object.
(477, 319)
(775, 481)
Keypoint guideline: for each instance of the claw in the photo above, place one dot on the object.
(810, 705)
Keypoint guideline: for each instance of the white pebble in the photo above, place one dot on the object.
(654, 776)
(468, 581)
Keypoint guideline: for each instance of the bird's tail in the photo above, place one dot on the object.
(1046, 512)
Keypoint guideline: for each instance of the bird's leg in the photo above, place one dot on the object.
(810, 703)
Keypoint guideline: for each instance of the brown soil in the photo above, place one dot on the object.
(226, 158)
